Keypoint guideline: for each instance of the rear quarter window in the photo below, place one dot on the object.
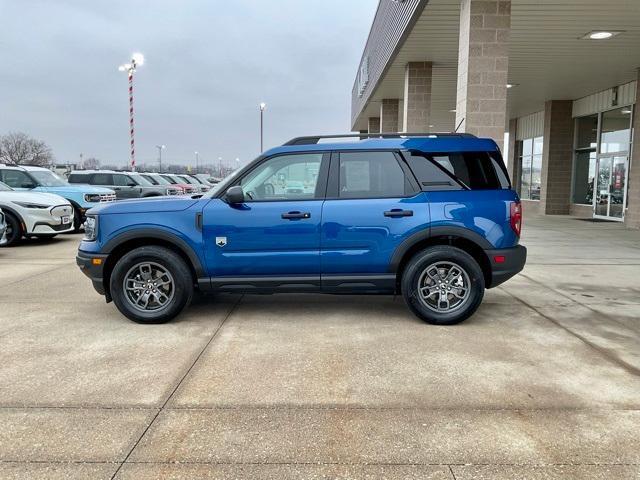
(79, 178)
(475, 170)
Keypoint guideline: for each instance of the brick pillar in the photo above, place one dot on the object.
(557, 158)
(513, 162)
(374, 124)
(483, 64)
(632, 216)
(417, 97)
(389, 113)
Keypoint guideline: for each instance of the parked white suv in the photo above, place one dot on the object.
(34, 214)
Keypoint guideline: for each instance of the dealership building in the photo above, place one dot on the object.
(553, 82)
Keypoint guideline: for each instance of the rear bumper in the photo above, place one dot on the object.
(505, 263)
(93, 269)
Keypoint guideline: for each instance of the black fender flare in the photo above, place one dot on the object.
(432, 232)
(163, 235)
(11, 211)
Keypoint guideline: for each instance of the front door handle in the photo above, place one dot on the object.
(396, 212)
(295, 215)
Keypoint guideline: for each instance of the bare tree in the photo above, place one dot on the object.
(19, 148)
(91, 163)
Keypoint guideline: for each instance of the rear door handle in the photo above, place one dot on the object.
(295, 215)
(396, 212)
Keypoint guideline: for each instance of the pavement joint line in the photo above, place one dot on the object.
(360, 464)
(345, 408)
(213, 336)
(452, 474)
(34, 275)
(560, 292)
(606, 354)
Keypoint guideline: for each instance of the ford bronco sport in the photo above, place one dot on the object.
(431, 217)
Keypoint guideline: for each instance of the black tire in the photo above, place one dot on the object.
(77, 220)
(163, 258)
(415, 275)
(14, 230)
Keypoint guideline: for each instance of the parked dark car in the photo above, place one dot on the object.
(125, 184)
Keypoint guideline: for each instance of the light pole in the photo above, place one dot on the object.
(220, 167)
(160, 148)
(137, 59)
(197, 171)
(262, 107)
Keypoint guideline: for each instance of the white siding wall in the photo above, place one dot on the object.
(602, 101)
(530, 126)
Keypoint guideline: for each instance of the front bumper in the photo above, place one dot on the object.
(92, 265)
(505, 263)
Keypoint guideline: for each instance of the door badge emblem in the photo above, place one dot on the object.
(221, 241)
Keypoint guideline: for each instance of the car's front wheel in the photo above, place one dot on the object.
(14, 231)
(443, 285)
(151, 284)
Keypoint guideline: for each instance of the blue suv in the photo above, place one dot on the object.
(432, 217)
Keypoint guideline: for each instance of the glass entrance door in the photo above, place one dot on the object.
(610, 190)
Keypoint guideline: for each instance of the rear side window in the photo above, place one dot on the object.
(102, 179)
(372, 175)
(475, 170)
(79, 178)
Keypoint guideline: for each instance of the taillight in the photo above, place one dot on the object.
(515, 217)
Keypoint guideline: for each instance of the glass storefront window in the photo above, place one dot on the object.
(584, 166)
(616, 131)
(587, 132)
(583, 175)
(531, 161)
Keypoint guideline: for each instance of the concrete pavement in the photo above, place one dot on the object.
(543, 382)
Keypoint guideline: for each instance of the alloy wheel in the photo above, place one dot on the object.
(444, 287)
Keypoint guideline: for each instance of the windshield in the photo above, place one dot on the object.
(159, 180)
(170, 179)
(140, 180)
(5, 188)
(47, 178)
(188, 180)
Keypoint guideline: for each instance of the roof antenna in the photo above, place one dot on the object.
(459, 125)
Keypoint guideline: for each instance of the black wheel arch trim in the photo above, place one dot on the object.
(160, 235)
(433, 232)
(14, 213)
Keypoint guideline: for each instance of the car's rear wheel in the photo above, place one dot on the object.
(443, 285)
(151, 285)
(14, 231)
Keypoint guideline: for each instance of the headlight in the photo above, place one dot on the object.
(91, 197)
(90, 229)
(31, 205)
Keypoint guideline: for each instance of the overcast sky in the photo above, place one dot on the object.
(209, 63)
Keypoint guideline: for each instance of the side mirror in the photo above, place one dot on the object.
(28, 185)
(234, 195)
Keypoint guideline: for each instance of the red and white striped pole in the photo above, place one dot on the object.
(137, 59)
(133, 148)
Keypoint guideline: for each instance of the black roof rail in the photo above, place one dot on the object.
(314, 139)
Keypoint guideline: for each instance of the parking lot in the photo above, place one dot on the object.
(543, 382)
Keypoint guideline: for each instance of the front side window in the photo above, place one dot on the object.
(371, 175)
(287, 177)
(531, 160)
(123, 181)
